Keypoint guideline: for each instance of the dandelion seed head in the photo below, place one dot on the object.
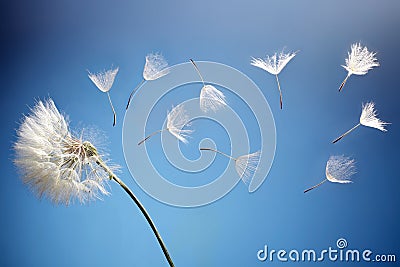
(104, 80)
(247, 165)
(211, 99)
(339, 169)
(360, 60)
(53, 162)
(155, 67)
(177, 119)
(273, 64)
(369, 117)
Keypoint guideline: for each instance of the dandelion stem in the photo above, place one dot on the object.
(150, 135)
(346, 133)
(141, 208)
(198, 71)
(315, 186)
(133, 92)
(216, 151)
(113, 110)
(279, 88)
(344, 82)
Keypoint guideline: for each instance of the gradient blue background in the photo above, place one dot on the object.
(46, 48)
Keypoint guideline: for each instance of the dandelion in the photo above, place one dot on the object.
(245, 165)
(176, 120)
(155, 67)
(62, 167)
(339, 169)
(54, 163)
(368, 118)
(274, 65)
(359, 62)
(104, 81)
(210, 97)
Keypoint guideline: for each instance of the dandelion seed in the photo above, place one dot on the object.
(62, 167)
(210, 97)
(155, 67)
(359, 62)
(368, 118)
(274, 65)
(104, 81)
(339, 169)
(177, 119)
(245, 165)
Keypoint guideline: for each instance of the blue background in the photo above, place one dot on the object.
(46, 48)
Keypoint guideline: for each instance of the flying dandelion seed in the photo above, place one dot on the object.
(210, 97)
(155, 67)
(274, 65)
(245, 165)
(104, 81)
(359, 62)
(62, 167)
(176, 120)
(368, 118)
(339, 169)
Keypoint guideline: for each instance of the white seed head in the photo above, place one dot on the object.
(211, 99)
(104, 80)
(360, 60)
(273, 64)
(369, 117)
(247, 165)
(339, 169)
(54, 163)
(155, 67)
(176, 120)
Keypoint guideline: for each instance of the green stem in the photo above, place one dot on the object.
(141, 208)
